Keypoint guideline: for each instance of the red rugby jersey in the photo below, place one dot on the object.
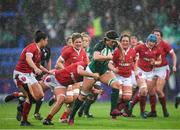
(22, 64)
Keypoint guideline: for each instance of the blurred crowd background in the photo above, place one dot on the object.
(60, 18)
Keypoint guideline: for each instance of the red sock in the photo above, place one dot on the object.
(142, 103)
(152, 99)
(49, 117)
(64, 115)
(121, 105)
(135, 99)
(162, 100)
(16, 94)
(26, 109)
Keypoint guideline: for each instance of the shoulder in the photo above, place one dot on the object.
(68, 50)
(138, 47)
(31, 46)
(99, 46)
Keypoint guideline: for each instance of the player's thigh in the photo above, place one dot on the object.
(87, 84)
(160, 83)
(60, 93)
(36, 91)
(110, 79)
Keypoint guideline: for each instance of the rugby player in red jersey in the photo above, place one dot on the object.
(74, 53)
(27, 67)
(162, 73)
(122, 65)
(149, 56)
(60, 80)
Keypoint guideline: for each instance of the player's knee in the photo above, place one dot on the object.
(143, 91)
(38, 96)
(126, 97)
(159, 92)
(152, 92)
(69, 99)
(60, 98)
(116, 85)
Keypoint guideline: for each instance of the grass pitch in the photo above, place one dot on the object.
(101, 119)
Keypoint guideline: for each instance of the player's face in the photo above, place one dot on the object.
(109, 43)
(44, 42)
(69, 42)
(158, 35)
(78, 43)
(125, 42)
(86, 42)
(134, 41)
(150, 44)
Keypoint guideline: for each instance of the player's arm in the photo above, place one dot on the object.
(49, 59)
(174, 59)
(45, 70)
(49, 64)
(59, 63)
(97, 56)
(156, 62)
(32, 64)
(112, 67)
(83, 72)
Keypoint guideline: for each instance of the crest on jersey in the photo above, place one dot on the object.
(48, 79)
(140, 74)
(23, 79)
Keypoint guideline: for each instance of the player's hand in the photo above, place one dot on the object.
(174, 69)
(152, 61)
(52, 72)
(115, 70)
(37, 71)
(96, 76)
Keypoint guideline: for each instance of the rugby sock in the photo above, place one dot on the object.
(49, 117)
(38, 106)
(135, 99)
(64, 115)
(81, 110)
(152, 99)
(87, 106)
(76, 106)
(114, 98)
(121, 105)
(162, 100)
(142, 103)
(26, 109)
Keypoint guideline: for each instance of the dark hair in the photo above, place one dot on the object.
(124, 36)
(111, 35)
(76, 36)
(39, 35)
(157, 30)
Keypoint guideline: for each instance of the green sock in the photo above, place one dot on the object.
(87, 106)
(76, 106)
(89, 103)
(114, 98)
(82, 107)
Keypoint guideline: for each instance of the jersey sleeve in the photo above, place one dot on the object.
(98, 47)
(167, 47)
(137, 48)
(65, 54)
(31, 50)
